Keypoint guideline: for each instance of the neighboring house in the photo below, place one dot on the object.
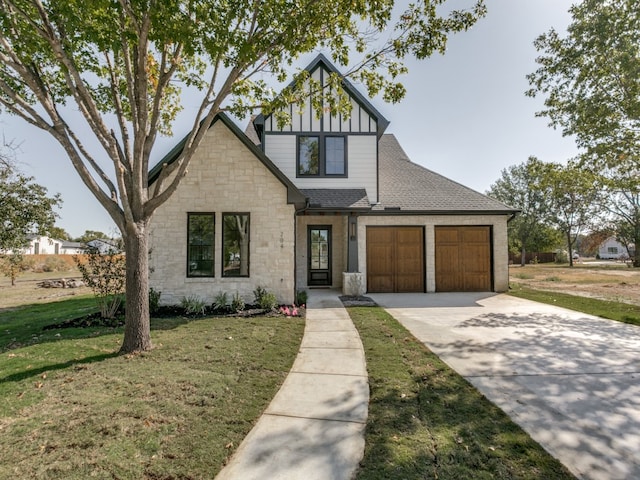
(328, 202)
(612, 249)
(103, 245)
(42, 245)
(73, 248)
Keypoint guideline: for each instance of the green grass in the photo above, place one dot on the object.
(22, 326)
(71, 408)
(426, 421)
(621, 312)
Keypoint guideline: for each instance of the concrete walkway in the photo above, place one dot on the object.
(314, 427)
(572, 381)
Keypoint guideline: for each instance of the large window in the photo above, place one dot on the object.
(235, 245)
(321, 156)
(200, 235)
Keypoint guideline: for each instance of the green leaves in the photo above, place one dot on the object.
(591, 77)
(25, 209)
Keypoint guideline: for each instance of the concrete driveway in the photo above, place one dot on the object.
(572, 381)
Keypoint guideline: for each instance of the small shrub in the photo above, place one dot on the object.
(562, 257)
(265, 299)
(193, 305)
(552, 279)
(105, 274)
(154, 301)
(55, 264)
(27, 263)
(237, 303)
(258, 293)
(221, 302)
(301, 297)
(12, 265)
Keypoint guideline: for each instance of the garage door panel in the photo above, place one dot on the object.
(463, 259)
(475, 235)
(395, 259)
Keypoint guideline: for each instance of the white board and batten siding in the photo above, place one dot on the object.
(361, 133)
(305, 119)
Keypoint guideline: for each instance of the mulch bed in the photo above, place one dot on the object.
(166, 311)
(352, 301)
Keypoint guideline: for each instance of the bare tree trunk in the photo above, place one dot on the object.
(137, 324)
(523, 257)
(570, 249)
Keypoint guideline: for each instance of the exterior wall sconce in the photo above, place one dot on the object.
(352, 230)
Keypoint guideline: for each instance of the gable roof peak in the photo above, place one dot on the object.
(322, 61)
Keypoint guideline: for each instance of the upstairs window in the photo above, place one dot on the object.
(308, 156)
(334, 155)
(200, 235)
(321, 155)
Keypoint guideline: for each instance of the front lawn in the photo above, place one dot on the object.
(71, 408)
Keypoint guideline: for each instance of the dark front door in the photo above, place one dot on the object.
(319, 241)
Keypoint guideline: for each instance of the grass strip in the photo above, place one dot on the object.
(426, 421)
(74, 409)
(620, 312)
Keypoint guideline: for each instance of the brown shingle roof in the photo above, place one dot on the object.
(341, 198)
(411, 187)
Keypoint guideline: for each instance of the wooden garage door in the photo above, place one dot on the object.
(395, 259)
(463, 259)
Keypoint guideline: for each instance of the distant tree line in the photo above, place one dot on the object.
(591, 87)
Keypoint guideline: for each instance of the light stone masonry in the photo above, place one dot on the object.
(224, 176)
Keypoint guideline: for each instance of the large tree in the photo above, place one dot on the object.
(518, 186)
(590, 79)
(572, 197)
(121, 63)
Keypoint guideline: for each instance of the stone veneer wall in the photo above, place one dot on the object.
(500, 242)
(224, 177)
(338, 247)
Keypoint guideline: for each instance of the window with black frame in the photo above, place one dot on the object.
(322, 156)
(200, 237)
(235, 244)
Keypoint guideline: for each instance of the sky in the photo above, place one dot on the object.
(465, 115)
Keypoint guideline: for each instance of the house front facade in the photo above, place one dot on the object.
(43, 245)
(324, 202)
(612, 249)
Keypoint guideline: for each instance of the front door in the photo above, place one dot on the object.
(319, 241)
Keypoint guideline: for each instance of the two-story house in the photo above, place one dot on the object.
(325, 201)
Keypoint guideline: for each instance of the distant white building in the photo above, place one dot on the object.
(73, 248)
(42, 245)
(612, 249)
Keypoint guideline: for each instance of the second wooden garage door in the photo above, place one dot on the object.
(395, 259)
(463, 259)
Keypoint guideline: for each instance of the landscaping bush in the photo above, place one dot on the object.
(105, 274)
(193, 305)
(221, 302)
(264, 299)
(237, 303)
(301, 297)
(54, 263)
(154, 301)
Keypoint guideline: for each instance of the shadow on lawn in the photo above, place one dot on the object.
(42, 323)
(36, 372)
